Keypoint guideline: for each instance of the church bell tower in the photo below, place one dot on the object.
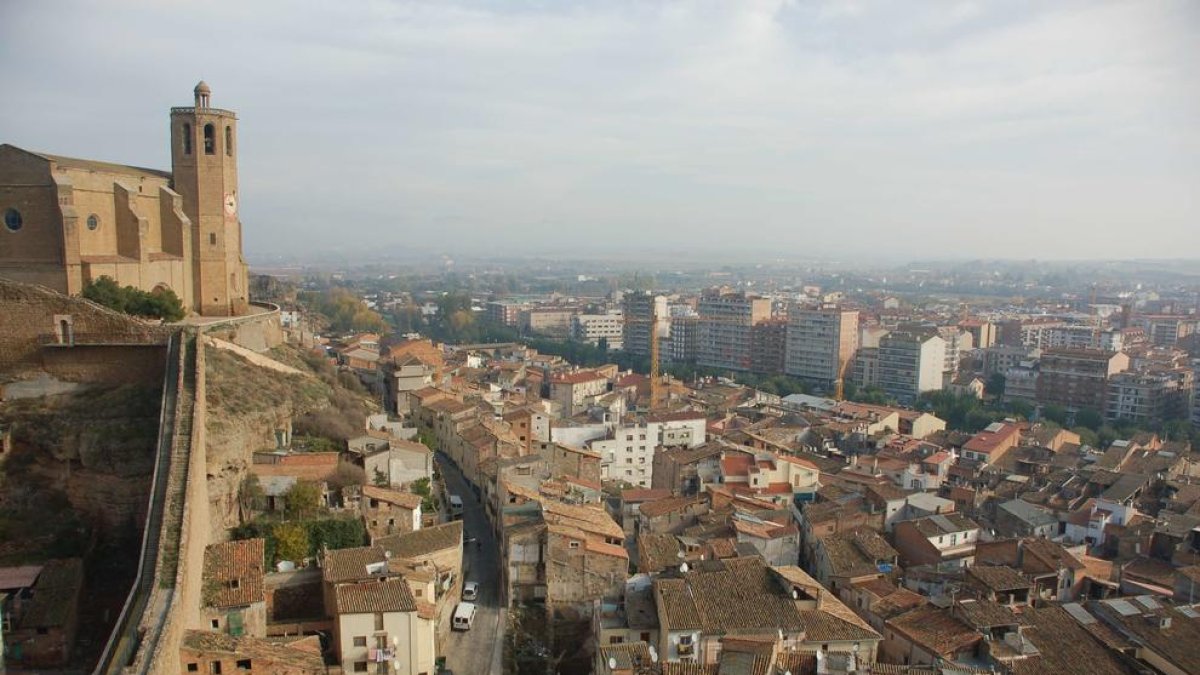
(204, 171)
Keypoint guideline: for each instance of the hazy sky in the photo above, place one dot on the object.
(914, 129)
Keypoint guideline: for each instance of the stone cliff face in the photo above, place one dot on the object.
(95, 446)
(247, 406)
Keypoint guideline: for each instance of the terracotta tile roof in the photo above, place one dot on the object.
(424, 541)
(657, 552)
(350, 564)
(577, 378)
(987, 614)
(587, 518)
(662, 507)
(295, 658)
(942, 524)
(986, 442)
(233, 573)
(737, 464)
(680, 416)
(763, 530)
(390, 595)
(857, 552)
(738, 595)
(643, 495)
(792, 459)
(935, 629)
(403, 499)
(832, 625)
(999, 578)
(624, 654)
(797, 663)
(679, 611)
(1066, 647)
(602, 547)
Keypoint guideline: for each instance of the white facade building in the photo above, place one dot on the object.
(911, 364)
(628, 452)
(591, 328)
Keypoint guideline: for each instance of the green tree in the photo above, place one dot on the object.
(161, 303)
(380, 479)
(302, 500)
(291, 541)
(422, 488)
(995, 385)
(1087, 436)
(1055, 413)
(1089, 418)
(1019, 408)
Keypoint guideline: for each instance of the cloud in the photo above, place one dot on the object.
(928, 129)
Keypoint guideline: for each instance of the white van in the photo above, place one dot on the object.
(464, 616)
(456, 505)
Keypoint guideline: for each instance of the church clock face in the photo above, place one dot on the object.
(230, 204)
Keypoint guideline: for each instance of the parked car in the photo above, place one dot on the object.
(470, 591)
(464, 616)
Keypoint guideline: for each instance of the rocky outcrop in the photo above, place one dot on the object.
(95, 446)
(248, 403)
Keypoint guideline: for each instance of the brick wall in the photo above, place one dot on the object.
(28, 312)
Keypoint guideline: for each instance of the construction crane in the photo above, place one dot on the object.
(655, 377)
(656, 398)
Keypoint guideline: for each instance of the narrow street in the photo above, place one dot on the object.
(479, 650)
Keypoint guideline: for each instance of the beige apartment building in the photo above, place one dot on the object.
(821, 343)
(724, 339)
(67, 222)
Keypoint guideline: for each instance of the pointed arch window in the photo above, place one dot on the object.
(187, 139)
(210, 139)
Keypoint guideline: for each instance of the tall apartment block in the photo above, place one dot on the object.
(911, 363)
(821, 343)
(1150, 397)
(724, 338)
(681, 346)
(1164, 330)
(1078, 378)
(641, 309)
(767, 346)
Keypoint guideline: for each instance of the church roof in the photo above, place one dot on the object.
(93, 165)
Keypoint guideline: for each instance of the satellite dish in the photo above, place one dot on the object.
(683, 567)
(653, 654)
(795, 594)
(612, 663)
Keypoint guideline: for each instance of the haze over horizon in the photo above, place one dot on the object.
(827, 129)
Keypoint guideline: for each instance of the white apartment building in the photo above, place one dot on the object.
(380, 628)
(911, 364)
(821, 343)
(591, 328)
(627, 453)
(958, 343)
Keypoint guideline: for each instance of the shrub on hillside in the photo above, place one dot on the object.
(161, 303)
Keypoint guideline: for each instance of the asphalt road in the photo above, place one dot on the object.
(478, 650)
